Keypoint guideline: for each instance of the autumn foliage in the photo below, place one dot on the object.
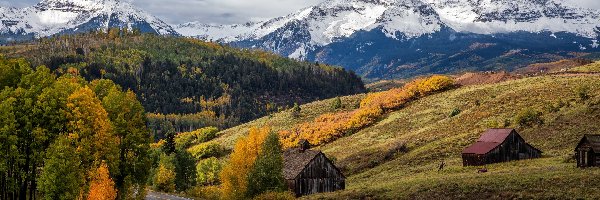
(328, 127)
(102, 187)
(235, 175)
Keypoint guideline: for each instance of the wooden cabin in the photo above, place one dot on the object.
(587, 151)
(308, 172)
(498, 145)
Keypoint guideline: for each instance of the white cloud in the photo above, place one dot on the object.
(594, 4)
(221, 11)
(231, 11)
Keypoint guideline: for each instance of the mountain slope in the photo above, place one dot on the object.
(398, 157)
(212, 85)
(51, 17)
(403, 38)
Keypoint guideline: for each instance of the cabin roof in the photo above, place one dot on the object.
(495, 135)
(594, 141)
(295, 160)
(490, 139)
(481, 147)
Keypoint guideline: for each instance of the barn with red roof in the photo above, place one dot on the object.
(498, 145)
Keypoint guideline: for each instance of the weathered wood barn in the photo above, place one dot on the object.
(498, 145)
(308, 172)
(587, 151)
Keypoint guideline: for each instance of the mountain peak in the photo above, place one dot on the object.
(51, 17)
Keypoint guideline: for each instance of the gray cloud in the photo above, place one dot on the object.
(230, 11)
(207, 11)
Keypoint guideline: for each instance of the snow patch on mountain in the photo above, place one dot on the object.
(405, 19)
(50, 17)
(505, 16)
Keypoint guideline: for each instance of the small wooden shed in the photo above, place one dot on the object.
(587, 151)
(308, 172)
(498, 145)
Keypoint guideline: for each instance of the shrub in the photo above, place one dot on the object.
(206, 134)
(296, 110)
(206, 150)
(529, 117)
(185, 140)
(337, 103)
(208, 171)
(455, 112)
(583, 92)
(205, 192)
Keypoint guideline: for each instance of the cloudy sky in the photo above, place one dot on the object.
(227, 11)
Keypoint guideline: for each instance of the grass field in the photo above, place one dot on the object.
(594, 67)
(398, 157)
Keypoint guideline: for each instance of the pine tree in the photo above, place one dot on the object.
(185, 170)
(267, 173)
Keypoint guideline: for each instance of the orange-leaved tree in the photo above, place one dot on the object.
(331, 126)
(102, 186)
(235, 174)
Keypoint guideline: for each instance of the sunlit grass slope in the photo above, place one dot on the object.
(398, 157)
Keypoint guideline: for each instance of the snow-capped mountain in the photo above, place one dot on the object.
(51, 17)
(396, 37)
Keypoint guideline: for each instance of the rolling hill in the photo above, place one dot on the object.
(398, 156)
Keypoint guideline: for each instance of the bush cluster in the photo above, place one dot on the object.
(331, 126)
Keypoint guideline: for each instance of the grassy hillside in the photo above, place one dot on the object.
(398, 157)
(589, 68)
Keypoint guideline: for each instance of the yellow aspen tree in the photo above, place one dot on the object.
(90, 129)
(102, 186)
(235, 175)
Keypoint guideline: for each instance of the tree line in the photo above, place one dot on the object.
(219, 85)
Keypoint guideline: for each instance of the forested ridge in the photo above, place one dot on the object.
(189, 82)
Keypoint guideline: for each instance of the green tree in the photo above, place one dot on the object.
(169, 132)
(11, 71)
(164, 178)
(185, 170)
(61, 178)
(128, 120)
(208, 171)
(267, 172)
